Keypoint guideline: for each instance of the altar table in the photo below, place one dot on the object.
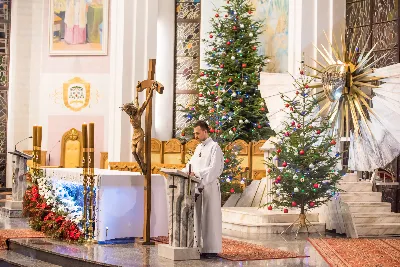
(119, 211)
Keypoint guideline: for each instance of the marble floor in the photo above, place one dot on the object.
(130, 255)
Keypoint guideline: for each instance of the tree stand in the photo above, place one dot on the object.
(301, 222)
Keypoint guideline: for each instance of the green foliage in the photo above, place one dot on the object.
(305, 150)
(229, 99)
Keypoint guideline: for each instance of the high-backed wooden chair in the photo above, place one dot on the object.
(173, 152)
(257, 161)
(71, 149)
(103, 160)
(190, 147)
(156, 151)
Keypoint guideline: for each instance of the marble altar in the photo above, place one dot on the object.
(181, 199)
(119, 197)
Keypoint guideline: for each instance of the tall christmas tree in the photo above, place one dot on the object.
(305, 148)
(228, 97)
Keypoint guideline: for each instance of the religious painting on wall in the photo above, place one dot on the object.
(274, 39)
(78, 27)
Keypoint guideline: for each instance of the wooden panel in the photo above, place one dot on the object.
(190, 147)
(134, 167)
(173, 152)
(103, 160)
(156, 151)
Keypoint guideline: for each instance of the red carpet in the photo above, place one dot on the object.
(358, 252)
(242, 251)
(17, 233)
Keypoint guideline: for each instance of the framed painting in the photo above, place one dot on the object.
(78, 27)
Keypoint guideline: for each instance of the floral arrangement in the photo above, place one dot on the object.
(54, 208)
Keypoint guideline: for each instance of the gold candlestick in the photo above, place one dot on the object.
(91, 181)
(39, 146)
(85, 165)
(34, 137)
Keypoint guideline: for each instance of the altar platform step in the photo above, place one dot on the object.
(42, 253)
(369, 207)
(378, 229)
(361, 196)
(12, 259)
(375, 218)
(355, 186)
(248, 222)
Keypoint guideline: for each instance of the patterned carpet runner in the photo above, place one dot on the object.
(361, 252)
(242, 251)
(17, 233)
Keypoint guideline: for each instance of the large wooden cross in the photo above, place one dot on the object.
(148, 84)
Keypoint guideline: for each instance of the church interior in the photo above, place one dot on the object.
(199, 133)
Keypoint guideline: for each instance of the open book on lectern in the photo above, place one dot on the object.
(179, 173)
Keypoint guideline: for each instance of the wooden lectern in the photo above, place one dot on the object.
(13, 208)
(181, 200)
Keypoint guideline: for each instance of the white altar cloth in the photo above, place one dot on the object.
(120, 202)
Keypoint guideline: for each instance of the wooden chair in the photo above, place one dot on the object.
(103, 160)
(156, 151)
(257, 161)
(190, 147)
(71, 149)
(173, 152)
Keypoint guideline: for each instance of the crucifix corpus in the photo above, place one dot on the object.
(139, 143)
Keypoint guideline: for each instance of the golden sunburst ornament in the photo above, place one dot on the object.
(347, 79)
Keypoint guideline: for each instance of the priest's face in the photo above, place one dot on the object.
(200, 134)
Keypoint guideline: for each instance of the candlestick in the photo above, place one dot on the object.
(85, 146)
(34, 136)
(91, 147)
(39, 136)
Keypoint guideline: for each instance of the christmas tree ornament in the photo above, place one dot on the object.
(254, 48)
(294, 204)
(211, 36)
(262, 109)
(241, 100)
(312, 204)
(200, 95)
(241, 26)
(230, 132)
(183, 133)
(230, 80)
(245, 83)
(318, 131)
(201, 74)
(333, 142)
(246, 121)
(287, 105)
(227, 160)
(291, 109)
(269, 170)
(285, 210)
(316, 185)
(296, 190)
(306, 86)
(295, 177)
(284, 164)
(311, 166)
(228, 43)
(232, 190)
(234, 28)
(241, 121)
(269, 207)
(217, 15)
(302, 180)
(278, 150)
(259, 126)
(233, 57)
(301, 152)
(293, 123)
(198, 80)
(228, 180)
(221, 66)
(244, 65)
(234, 94)
(279, 178)
(251, 34)
(301, 72)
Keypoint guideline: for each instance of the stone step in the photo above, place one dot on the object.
(378, 229)
(4, 195)
(365, 218)
(350, 177)
(11, 258)
(355, 186)
(369, 207)
(361, 196)
(257, 230)
(249, 215)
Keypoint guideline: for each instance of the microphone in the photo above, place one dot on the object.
(52, 150)
(21, 141)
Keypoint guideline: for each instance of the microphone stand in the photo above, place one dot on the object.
(48, 164)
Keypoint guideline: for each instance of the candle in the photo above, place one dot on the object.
(34, 137)
(84, 135)
(91, 135)
(39, 136)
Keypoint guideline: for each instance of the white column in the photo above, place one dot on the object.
(163, 106)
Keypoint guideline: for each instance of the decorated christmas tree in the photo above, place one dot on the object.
(305, 153)
(229, 99)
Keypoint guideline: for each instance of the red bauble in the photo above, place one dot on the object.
(217, 84)
(297, 92)
(212, 110)
(201, 74)
(287, 105)
(227, 160)
(254, 48)
(294, 204)
(278, 150)
(279, 178)
(211, 36)
(262, 109)
(234, 129)
(241, 100)
(299, 126)
(285, 210)
(269, 207)
(234, 28)
(259, 126)
(250, 12)
(287, 134)
(230, 80)
(269, 170)
(214, 48)
(212, 92)
(302, 72)
(315, 185)
(310, 127)
(306, 86)
(318, 131)
(217, 15)
(232, 190)
(291, 109)
(200, 95)
(228, 43)
(212, 130)
(293, 123)
(226, 15)
(183, 133)
(244, 65)
(301, 152)
(284, 164)
(312, 204)
(221, 66)
(333, 142)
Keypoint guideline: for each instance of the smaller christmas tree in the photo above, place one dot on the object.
(306, 177)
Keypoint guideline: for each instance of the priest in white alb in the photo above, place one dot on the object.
(207, 163)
